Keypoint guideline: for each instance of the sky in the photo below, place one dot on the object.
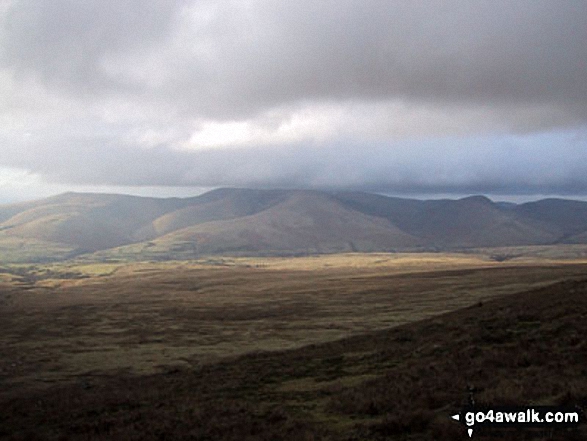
(174, 97)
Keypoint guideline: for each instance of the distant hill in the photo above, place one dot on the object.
(280, 222)
(474, 221)
(303, 221)
(217, 205)
(87, 222)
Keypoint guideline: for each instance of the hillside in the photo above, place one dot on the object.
(219, 205)
(83, 222)
(306, 222)
(249, 221)
(400, 383)
(470, 222)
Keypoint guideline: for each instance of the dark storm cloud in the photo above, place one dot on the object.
(227, 59)
(481, 51)
(121, 92)
(63, 43)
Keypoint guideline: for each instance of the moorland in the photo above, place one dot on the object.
(331, 347)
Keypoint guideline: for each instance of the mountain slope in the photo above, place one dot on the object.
(222, 204)
(566, 219)
(470, 222)
(476, 221)
(87, 222)
(303, 222)
(279, 221)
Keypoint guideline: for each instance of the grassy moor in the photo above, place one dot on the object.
(332, 347)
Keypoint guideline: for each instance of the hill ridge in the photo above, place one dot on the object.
(281, 221)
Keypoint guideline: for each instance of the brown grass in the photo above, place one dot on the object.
(147, 351)
(143, 318)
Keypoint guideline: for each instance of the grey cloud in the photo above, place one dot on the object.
(63, 42)
(106, 72)
(477, 165)
(483, 52)
(230, 59)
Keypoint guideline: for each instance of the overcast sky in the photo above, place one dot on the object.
(169, 97)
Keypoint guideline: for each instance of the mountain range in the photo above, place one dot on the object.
(278, 222)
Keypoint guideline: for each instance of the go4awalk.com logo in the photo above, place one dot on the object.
(518, 417)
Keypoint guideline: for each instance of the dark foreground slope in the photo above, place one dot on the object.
(403, 383)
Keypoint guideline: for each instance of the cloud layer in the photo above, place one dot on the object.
(419, 96)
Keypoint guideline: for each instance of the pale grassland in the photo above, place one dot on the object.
(393, 262)
(410, 262)
(21, 250)
(68, 273)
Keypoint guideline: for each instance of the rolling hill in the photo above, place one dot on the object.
(303, 222)
(474, 221)
(250, 221)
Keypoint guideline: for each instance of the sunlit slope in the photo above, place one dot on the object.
(217, 205)
(304, 222)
